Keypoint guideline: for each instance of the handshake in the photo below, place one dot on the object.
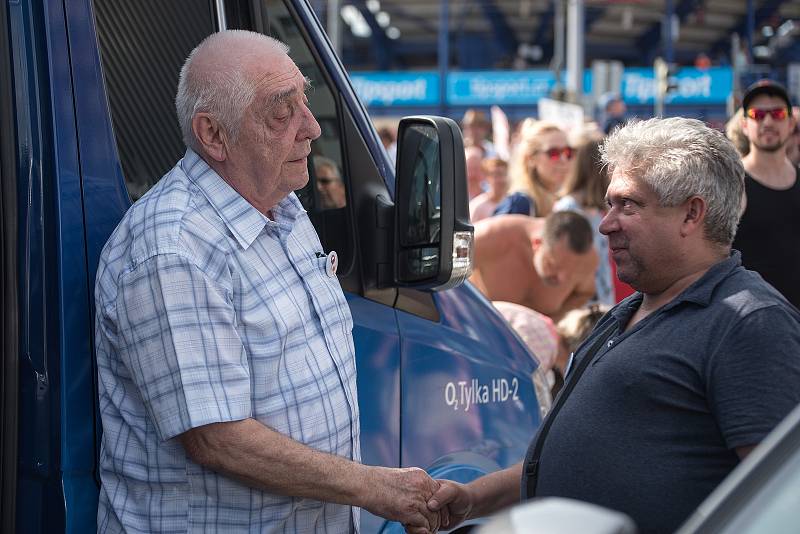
(411, 497)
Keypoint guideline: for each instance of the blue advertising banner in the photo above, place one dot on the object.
(694, 86)
(498, 87)
(485, 88)
(397, 89)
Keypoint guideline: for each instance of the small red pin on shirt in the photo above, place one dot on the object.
(333, 263)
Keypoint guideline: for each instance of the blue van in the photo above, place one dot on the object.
(87, 125)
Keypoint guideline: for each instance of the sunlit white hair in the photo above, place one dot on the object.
(679, 158)
(225, 91)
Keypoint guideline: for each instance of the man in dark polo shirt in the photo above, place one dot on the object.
(679, 381)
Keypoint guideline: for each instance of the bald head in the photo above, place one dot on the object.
(219, 78)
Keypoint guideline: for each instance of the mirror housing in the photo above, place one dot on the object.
(433, 242)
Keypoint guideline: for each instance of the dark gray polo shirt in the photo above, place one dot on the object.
(652, 425)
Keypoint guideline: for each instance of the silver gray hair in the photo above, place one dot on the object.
(680, 158)
(323, 161)
(225, 92)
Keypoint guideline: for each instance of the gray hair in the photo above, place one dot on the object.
(322, 161)
(679, 158)
(225, 91)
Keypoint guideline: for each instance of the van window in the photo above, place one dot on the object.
(143, 46)
(326, 194)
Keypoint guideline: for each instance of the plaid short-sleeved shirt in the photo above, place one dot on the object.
(208, 311)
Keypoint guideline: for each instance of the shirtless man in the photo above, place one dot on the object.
(546, 264)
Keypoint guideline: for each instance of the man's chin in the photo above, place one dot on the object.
(629, 278)
(299, 183)
(771, 147)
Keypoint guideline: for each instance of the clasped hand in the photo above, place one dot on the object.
(449, 505)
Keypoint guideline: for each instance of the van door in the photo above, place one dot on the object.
(469, 406)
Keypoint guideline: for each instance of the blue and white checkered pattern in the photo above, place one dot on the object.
(208, 311)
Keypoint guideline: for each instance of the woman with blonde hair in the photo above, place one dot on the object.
(733, 131)
(584, 191)
(539, 166)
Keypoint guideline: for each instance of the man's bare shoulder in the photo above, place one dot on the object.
(511, 226)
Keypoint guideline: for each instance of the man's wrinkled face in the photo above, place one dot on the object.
(277, 128)
(766, 132)
(642, 235)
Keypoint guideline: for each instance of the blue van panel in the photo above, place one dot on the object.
(77, 392)
(104, 199)
(104, 194)
(377, 343)
(467, 388)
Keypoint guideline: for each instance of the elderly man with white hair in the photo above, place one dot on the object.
(226, 362)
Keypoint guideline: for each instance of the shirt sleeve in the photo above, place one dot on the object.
(516, 203)
(754, 376)
(179, 342)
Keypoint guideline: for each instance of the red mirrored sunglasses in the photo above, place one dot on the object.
(555, 154)
(777, 114)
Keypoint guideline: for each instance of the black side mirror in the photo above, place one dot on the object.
(433, 234)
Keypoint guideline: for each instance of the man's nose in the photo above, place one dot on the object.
(608, 224)
(310, 129)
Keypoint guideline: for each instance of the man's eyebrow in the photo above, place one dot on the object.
(283, 96)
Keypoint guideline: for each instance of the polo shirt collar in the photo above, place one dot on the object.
(243, 220)
(700, 292)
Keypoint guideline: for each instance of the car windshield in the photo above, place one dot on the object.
(775, 508)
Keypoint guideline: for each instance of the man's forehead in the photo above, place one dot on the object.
(281, 76)
(620, 179)
(767, 101)
(276, 86)
(627, 184)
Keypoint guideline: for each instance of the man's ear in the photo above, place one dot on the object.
(536, 243)
(210, 136)
(694, 216)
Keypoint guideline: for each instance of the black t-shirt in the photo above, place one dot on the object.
(769, 236)
(652, 426)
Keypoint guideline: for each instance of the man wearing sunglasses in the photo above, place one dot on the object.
(770, 226)
(332, 193)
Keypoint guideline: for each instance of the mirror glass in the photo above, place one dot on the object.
(420, 218)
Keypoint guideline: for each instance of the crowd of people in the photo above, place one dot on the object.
(694, 369)
(229, 405)
(537, 217)
(553, 169)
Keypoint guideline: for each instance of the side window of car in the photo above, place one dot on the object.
(325, 198)
(143, 46)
